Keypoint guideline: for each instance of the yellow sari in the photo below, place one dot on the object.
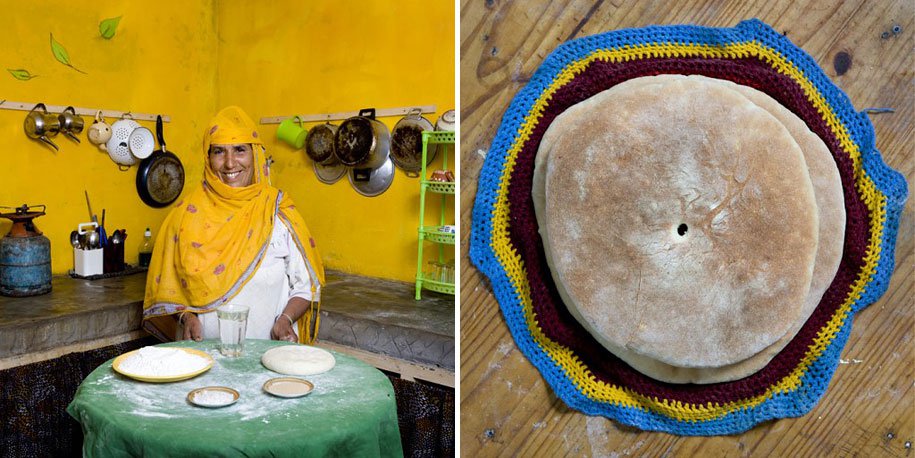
(213, 241)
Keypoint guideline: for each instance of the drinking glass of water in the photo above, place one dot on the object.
(233, 321)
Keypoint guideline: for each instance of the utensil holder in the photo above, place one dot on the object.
(114, 257)
(88, 262)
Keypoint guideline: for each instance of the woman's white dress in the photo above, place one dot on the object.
(282, 275)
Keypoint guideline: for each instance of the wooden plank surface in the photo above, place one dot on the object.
(506, 406)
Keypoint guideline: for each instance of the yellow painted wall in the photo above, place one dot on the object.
(324, 56)
(189, 58)
(154, 64)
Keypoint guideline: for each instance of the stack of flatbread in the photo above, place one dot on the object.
(690, 224)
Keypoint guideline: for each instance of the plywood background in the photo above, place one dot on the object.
(506, 406)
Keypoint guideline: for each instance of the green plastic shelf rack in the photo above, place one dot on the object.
(434, 234)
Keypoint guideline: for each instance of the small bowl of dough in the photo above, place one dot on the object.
(213, 396)
(288, 387)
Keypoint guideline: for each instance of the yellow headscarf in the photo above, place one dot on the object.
(213, 241)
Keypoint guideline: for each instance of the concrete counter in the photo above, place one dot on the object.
(377, 318)
(74, 311)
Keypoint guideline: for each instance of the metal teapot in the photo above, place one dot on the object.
(42, 125)
(71, 123)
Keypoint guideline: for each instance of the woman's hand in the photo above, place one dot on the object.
(193, 330)
(282, 330)
(283, 325)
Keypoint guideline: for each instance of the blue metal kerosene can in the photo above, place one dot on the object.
(25, 255)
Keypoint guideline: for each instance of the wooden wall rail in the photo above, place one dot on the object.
(82, 111)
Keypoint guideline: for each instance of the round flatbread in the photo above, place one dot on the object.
(827, 188)
(680, 219)
(828, 194)
(298, 360)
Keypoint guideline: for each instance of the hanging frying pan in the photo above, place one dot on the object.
(160, 177)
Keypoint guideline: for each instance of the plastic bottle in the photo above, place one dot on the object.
(146, 248)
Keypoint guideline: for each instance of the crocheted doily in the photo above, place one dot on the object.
(506, 247)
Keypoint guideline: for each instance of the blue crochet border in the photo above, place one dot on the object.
(815, 381)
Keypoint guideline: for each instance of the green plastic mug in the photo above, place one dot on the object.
(291, 133)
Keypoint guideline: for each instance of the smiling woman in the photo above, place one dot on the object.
(237, 240)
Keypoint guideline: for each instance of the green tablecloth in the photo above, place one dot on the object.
(351, 412)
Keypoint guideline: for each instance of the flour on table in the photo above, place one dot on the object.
(339, 390)
(162, 362)
(213, 398)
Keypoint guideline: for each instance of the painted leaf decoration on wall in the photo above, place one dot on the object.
(60, 53)
(21, 74)
(107, 27)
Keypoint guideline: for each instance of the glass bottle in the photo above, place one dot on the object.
(146, 249)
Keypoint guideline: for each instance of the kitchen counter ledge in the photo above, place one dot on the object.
(373, 318)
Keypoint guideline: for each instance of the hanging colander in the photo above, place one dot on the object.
(119, 143)
(141, 143)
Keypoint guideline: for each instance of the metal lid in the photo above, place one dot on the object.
(329, 173)
(372, 182)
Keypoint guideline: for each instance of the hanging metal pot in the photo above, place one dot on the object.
(319, 145)
(362, 141)
(41, 125)
(407, 142)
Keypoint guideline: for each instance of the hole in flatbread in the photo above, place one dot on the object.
(681, 229)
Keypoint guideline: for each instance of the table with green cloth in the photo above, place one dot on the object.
(351, 412)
